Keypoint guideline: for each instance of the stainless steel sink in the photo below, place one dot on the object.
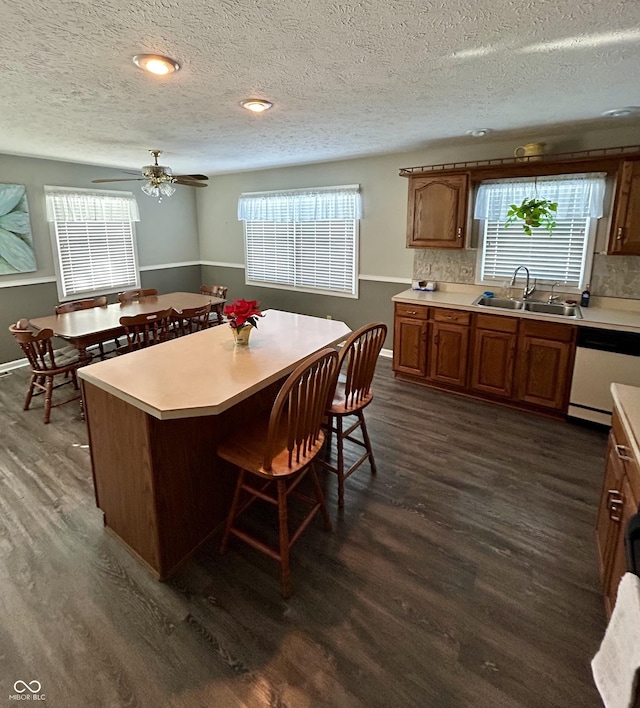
(548, 308)
(503, 302)
(554, 308)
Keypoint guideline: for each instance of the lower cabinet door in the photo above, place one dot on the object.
(493, 361)
(410, 346)
(621, 509)
(448, 353)
(542, 372)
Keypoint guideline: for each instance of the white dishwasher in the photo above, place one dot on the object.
(603, 357)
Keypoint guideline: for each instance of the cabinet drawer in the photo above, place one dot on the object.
(548, 330)
(624, 452)
(453, 316)
(419, 312)
(497, 323)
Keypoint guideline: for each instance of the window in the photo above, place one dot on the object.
(563, 256)
(94, 240)
(305, 239)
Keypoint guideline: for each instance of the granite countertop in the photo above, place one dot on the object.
(596, 316)
(627, 401)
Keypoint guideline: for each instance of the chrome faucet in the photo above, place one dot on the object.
(527, 291)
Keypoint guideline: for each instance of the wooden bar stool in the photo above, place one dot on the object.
(273, 456)
(353, 393)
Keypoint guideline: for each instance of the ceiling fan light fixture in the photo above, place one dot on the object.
(621, 112)
(256, 105)
(156, 64)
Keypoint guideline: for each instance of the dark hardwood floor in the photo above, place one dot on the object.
(463, 574)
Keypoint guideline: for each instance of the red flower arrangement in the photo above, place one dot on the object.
(243, 312)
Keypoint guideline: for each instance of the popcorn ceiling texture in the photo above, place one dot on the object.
(347, 78)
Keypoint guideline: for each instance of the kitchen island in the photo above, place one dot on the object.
(155, 416)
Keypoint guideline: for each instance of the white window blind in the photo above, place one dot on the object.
(94, 240)
(563, 256)
(302, 239)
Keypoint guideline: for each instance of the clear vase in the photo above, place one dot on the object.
(241, 335)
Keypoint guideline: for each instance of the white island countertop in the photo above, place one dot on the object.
(205, 373)
(627, 400)
(625, 317)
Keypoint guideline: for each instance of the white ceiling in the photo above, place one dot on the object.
(347, 78)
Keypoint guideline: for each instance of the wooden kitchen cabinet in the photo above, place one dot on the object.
(437, 212)
(618, 503)
(449, 346)
(410, 339)
(495, 340)
(523, 363)
(625, 229)
(544, 364)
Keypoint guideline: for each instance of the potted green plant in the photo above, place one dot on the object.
(533, 213)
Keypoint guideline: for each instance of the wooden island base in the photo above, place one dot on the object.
(161, 487)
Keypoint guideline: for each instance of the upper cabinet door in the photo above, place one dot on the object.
(437, 211)
(625, 231)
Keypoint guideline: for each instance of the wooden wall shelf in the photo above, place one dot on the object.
(602, 154)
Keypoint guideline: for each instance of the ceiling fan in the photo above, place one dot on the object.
(159, 179)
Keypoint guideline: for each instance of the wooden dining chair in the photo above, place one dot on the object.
(190, 319)
(273, 456)
(131, 295)
(216, 317)
(87, 304)
(46, 364)
(146, 329)
(353, 393)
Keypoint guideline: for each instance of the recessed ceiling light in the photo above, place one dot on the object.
(257, 105)
(156, 64)
(621, 112)
(479, 133)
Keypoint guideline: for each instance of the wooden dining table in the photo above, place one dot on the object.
(85, 328)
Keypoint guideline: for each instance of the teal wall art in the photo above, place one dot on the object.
(16, 245)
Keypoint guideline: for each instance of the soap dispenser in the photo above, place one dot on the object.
(586, 296)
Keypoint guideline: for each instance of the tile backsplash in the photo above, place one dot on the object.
(612, 276)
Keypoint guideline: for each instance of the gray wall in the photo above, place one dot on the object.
(166, 235)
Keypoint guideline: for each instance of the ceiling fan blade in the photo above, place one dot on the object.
(126, 179)
(188, 183)
(202, 177)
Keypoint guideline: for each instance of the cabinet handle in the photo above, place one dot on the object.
(620, 455)
(459, 232)
(619, 234)
(615, 509)
(411, 312)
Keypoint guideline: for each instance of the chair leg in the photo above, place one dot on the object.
(232, 512)
(32, 386)
(340, 462)
(320, 498)
(367, 441)
(48, 395)
(284, 539)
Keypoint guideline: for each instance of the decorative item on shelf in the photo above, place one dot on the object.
(529, 152)
(243, 317)
(533, 213)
